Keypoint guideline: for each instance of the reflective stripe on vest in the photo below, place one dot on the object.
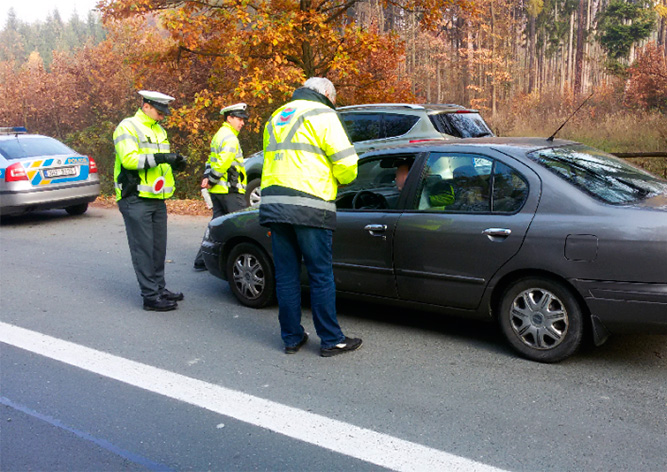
(287, 144)
(298, 201)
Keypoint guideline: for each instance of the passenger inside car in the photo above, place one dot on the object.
(471, 190)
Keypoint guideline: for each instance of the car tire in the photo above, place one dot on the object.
(253, 192)
(251, 276)
(541, 319)
(79, 209)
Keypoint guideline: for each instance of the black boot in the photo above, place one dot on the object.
(171, 296)
(159, 304)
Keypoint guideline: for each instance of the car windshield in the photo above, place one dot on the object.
(21, 147)
(601, 175)
(461, 124)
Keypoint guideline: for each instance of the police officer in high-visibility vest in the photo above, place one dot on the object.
(307, 154)
(225, 177)
(144, 180)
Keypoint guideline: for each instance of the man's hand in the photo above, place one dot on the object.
(179, 163)
(204, 183)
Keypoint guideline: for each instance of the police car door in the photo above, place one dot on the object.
(471, 217)
(366, 219)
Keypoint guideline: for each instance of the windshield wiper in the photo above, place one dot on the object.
(643, 192)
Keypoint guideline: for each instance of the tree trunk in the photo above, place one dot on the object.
(579, 59)
(493, 63)
(531, 54)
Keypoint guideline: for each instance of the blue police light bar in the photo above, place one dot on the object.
(13, 130)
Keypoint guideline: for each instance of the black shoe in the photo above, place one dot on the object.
(159, 304)
(294, 349)
(349, 344)
(199, 266)
(171, 296)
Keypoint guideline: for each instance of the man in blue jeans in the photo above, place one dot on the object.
(307, 154)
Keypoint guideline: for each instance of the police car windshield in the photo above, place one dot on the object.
(20, 147)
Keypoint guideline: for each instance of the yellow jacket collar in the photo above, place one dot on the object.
(144, 118)
(228, 126)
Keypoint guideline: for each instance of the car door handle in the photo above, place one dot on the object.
(374, 229)
(497, 233)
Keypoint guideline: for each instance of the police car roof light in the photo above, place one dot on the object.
(13, 130)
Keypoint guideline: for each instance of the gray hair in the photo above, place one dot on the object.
(323, 86)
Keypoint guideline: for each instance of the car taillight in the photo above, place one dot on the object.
(15, 172)
(92, 165)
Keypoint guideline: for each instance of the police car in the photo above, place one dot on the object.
(38, 172)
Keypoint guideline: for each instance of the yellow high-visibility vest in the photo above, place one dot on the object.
(137, 139)
(225, 154)
(307, 154)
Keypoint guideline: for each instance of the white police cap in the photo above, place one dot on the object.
(238, 109)
(158, 100)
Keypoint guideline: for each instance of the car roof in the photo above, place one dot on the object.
(439, 107)
(523, 144)
(6, 136)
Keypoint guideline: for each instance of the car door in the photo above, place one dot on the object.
(368, 212)
(472, 215)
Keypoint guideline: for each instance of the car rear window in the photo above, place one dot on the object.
(601, 175)
(461, 124)
(21, 147)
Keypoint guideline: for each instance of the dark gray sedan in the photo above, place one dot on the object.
(551, 239)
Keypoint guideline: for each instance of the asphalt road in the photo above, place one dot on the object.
(431, 388)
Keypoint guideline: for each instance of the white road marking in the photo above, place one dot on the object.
(364, 444)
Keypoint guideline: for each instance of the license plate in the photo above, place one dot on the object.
(59, 172)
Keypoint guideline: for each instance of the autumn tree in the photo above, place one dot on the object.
(622, 24)
(259, 51)
(647, 80)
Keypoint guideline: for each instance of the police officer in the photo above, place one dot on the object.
(144, 180)
(225, 175)
(307, 154)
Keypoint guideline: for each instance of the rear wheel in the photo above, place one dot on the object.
(541, 319)
(79, 209)
(250, 275)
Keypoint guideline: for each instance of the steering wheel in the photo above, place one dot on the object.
(367, 199)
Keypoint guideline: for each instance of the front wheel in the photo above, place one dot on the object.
(541, 319)
(253, 192)
(250, 275)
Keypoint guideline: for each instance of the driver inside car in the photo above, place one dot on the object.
(402, 170)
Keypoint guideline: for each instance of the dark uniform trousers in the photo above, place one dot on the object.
(146, 228)
(223, 203)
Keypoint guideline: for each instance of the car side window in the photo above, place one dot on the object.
(510, 190)
(456, 182)
(398, 125)
(362, 126)
(378, 184)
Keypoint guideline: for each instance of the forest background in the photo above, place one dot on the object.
(525, 64)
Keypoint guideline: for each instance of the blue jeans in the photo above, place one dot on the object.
(291, 243)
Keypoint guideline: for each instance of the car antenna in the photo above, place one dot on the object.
(551, 138)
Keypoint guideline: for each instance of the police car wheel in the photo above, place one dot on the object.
(250, 275)
(77, 209)
(541, 319)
